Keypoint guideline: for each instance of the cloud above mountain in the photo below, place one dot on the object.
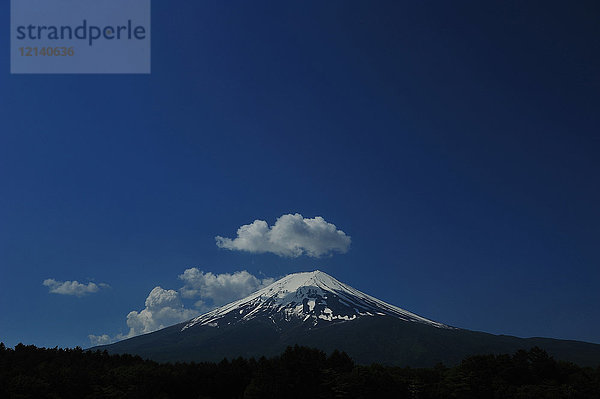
(291, 236)
(219, 289)
(74, 288)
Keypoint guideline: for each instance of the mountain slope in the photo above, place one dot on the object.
(316, 310)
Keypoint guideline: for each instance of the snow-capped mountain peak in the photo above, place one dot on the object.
(314, 298)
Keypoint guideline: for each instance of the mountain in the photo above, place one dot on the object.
(313, 299)
(314, 309)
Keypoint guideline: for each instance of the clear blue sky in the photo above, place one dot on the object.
(456, 143)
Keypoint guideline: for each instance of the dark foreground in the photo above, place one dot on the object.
(31, 372)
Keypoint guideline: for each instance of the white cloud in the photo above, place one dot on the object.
(219, 289)
(72, 287)
(291, 236)
(165, 307)
(104, 339)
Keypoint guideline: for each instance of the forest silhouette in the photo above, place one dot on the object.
(299, 372)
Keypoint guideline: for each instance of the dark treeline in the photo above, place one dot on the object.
(31, 372)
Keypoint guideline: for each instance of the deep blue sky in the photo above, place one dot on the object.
(457, 143)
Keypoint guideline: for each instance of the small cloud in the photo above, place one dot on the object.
(219, 289)
(290, 236)
(104, 339)
(72, 287)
